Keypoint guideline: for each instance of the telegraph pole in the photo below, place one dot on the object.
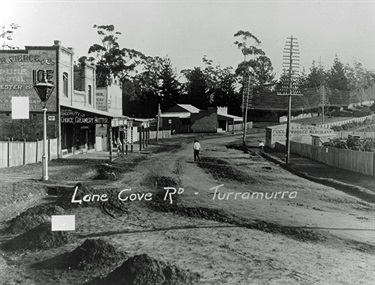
(246, 102)
(291, 65)
(158, 123)
(322, 88)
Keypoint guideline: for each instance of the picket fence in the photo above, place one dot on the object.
(356, 161)
(16, 153)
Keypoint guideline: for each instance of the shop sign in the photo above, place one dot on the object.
(77, 117)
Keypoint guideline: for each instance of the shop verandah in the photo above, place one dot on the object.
(85, 130)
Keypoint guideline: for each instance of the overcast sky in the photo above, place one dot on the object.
(188, 30)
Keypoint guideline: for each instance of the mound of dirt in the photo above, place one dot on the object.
(94, 253)
(160, 181)
(32, 217)
(242, 147)
(220, 169)
(65, 197)
(107, 172)
(41, 237)
(159, 203)
(144, 270)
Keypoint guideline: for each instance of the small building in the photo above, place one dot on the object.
(298, 133)
(178, 118)
(185, 118)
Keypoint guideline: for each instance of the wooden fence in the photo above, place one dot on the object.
(165, 134)
(356, 161)
(16, 153)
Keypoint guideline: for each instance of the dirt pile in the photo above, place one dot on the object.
(32, 217)
(291, 232)
(41, 237)
(65, 197)
(94, 253)
(158, 182)
(108, 172)
(242, 147)
(144, 270)
(221, 169)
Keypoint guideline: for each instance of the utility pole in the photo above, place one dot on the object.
(158, 123)
(246, 102)
(289, 88)
(322, 88)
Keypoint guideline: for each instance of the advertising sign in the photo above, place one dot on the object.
(79, 117)
(18, 73)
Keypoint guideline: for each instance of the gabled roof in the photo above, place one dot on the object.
(230, 117)
(180, 115)
(189, 108)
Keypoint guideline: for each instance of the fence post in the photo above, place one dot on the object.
(373, 165)
(36, 151)
(24, 151)
(8, 155)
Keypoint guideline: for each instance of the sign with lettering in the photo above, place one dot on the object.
(20, 69)
(101, 100)
(298, 133)
(69, 116)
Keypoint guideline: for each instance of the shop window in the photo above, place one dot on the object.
(65, 84)
(89, 94)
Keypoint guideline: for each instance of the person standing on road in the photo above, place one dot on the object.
(197, 148)
(261, 145)
(119, 147)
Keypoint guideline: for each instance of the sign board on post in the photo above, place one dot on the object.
(20, 108)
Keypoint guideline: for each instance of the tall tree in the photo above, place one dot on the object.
(170, 88)
(109, 58)
(360, 82)
(6, 36)
(196, 88)
(255, 62)
(338, 83)
(221, 83)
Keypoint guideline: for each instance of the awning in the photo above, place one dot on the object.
(94, 111)
(228, 117)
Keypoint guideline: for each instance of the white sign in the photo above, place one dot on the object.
(20, 108)
(63, 223)
(51, 118)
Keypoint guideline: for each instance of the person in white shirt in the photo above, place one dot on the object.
(197, 148)
(261, 145)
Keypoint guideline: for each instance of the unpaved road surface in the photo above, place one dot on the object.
(306, 234)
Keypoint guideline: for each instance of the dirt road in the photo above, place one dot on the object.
(227, 224)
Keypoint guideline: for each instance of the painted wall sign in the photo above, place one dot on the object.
(19, 72)
(298, 133)
(101, 100)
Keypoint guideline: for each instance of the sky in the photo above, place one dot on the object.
(185, 31)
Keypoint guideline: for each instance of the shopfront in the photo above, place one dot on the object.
(78, 129)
